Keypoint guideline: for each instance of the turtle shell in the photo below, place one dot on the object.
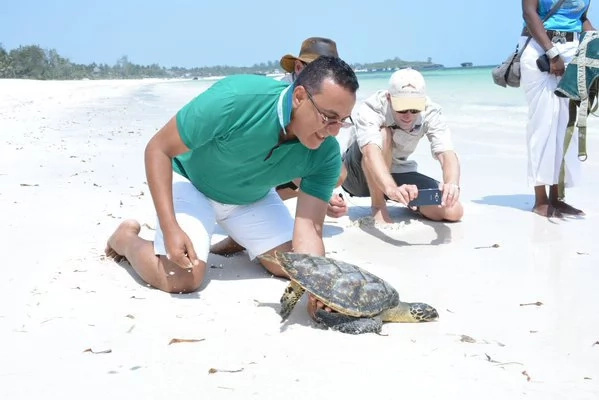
(344, 287)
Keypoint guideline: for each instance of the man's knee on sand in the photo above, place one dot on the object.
(435, 213)
(181, 280)
(455, 213)
(271, 266)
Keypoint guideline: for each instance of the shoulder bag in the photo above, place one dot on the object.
(508, 73)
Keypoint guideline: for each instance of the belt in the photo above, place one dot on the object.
(556, 36)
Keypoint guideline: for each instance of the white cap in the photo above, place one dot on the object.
(407, 90)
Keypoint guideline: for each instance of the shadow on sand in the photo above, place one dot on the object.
(523, 202)
(361, 218)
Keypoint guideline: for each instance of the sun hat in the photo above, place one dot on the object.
(311, 49)
(407, 90)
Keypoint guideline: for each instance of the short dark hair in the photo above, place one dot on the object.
(326, 67)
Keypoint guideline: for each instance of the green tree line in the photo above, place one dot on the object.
(33, 62)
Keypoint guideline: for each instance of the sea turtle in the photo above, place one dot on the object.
(362, 301)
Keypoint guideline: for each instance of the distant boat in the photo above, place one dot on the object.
(466, 64)
(428, 67)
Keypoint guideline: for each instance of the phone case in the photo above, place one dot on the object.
(427, 197)
(543, 63)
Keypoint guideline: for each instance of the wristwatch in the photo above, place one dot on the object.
(552, 52)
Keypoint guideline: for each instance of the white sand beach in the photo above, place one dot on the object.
(517, 320)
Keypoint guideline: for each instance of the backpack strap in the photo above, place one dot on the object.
(587, 93)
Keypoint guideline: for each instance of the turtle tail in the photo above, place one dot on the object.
(410, 312)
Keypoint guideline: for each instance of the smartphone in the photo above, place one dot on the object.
(427, 197)
(543, 63)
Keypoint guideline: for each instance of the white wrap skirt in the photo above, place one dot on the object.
(547, 119)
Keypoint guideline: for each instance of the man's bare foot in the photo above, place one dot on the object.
(226, 247)
(547, 210)
(381, 215)
(115, 241)
(565, 208)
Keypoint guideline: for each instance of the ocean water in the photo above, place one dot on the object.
(467, 95)
(459, 90)
(477, 111)
(487, 123)
(483, 117)
(471, 102)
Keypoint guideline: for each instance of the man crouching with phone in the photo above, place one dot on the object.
(388, 126)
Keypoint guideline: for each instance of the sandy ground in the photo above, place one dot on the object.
(517, 320)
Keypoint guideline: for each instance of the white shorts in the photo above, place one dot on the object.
(258, 227)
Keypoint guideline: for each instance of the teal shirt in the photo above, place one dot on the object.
(232, 130)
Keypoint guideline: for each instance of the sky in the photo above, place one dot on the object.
(197, 33)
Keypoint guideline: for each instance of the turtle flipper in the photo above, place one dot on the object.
(290, 297)
(348, 324)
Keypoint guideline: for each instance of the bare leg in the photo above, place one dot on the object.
(542, 205)
(158, 271)
(273, 267)
(378, 203)
(226, 247)
(451, 214)
(560, 205)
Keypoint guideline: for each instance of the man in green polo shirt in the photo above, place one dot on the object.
(218, 160)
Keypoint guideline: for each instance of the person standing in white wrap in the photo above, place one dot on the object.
(557, 38)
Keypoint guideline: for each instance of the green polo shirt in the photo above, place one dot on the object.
(232, 130)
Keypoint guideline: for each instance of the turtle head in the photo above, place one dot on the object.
(422, 312)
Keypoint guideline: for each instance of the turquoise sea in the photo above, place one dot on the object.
(445, 86)
(464, 93)
(451, 86)
(468, 96)
(487, 123)
(476, 109)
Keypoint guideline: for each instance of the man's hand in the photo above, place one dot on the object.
(557, 66)
(314, 304)
(402, 194)
(451, 194)
(337, 206)
(179, 248)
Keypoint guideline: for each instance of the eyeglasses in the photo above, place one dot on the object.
(408, 111)
(329, 121)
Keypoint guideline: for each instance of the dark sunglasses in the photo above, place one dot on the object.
(408, 111)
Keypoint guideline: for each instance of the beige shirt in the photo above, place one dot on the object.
(375, 112)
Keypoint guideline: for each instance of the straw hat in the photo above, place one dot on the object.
(312, 48)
